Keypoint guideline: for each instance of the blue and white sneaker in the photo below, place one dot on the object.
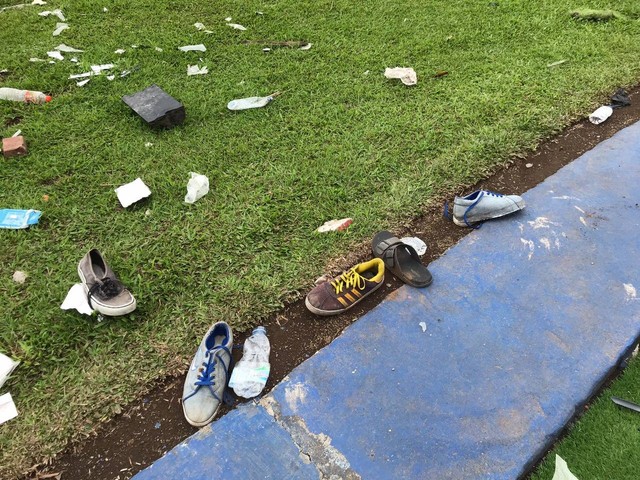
(208, 375)
(484, 205)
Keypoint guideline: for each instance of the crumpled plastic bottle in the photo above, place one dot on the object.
(250, 374)
(197, 187)
(27, 96)
(600, 115)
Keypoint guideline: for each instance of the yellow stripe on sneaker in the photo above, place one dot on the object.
(349, 297)
(356, 293)
(341, 300)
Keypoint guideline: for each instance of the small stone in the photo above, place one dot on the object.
(14, 146)
(529, 165)
(19, 277)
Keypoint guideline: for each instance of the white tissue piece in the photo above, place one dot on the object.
(97, 69)
(120, 51)
(55, 54)
(193, 48)
(80, 75)
(60, 27)
(57, 12)
(67, 49)
(199, 26)
(132, 192)
(196, 70)
(237, 26)
(7, 365)
(77, 299)
(82, 83)
(405, 75)
(7, 408)
(418, 245)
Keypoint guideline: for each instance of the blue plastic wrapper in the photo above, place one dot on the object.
(16, 219)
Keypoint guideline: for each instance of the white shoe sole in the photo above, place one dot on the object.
(201, 424)
(328, 313)
(501, 213)
(107, 310)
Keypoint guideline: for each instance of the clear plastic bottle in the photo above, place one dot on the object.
(250, 374)
(27, 96)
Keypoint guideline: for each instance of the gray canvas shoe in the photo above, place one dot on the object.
(105, 292)
(208, 375)
(484, 205)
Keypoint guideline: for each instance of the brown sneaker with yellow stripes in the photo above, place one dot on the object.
(343, 292)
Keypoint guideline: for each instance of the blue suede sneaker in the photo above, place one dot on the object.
(207, 377)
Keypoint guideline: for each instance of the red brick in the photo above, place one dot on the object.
(14, 147)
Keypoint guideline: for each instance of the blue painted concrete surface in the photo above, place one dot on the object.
(524, 318)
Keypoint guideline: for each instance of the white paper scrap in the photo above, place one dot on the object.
(80, 75)
(405, 75)
(60, 27)
(7, 365)
(97, 69)
(55, 54)
(562, 471)
(38, 2)
(196, 70)
(132, 192)
(74, 59)
(237, 26)
(199, 26)
(120, 51)
(419, 246)
(193, 48)
(7, 408)
(111, 78)
(105, 9)
(66, 48)
(82, 83)
(57, 12)
(17, 275)
(77, 299)
(423, 326)
(228, 19)
(158, 49)
(306, 47)
(35, 59)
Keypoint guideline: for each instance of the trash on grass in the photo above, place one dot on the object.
(156, 107)
(14, 146)
(148, 144)
(601, 114)
(80, 75)
(196, 70)
(82, 83)
(423, 326)
(77, 299)
(16, 219)
(306, 47)
(626, 404)
(555, 64)
(199, 26)
(596, 15)
(36, 59)
(67, 49)
(97, 69)
(111, 78)
(405, 75)
(193, 48)
(18, 277)
(335, 225)
(440, 73)
(158, 49)
(7, 365)
(562, 471)
(237, 26)
(120, 51)
(55, 54)
(418, 245)
(250, 374)
(197, 187)
(60, 27)
(26, 96)
(620, 99)
(57, 12)
(251, 102)
(132, 192)
(7, 408)
(38, 2)
(17, 134)
(529, 165)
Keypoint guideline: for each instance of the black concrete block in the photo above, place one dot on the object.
(156, 107)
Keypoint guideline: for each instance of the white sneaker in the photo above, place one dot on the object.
(484, 205)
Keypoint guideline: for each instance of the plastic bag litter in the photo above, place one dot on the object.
(562, 471)
(132, 192)
(335, 225)
(7, 408)
(251, 102)
(196, 70)
(405, 75)
(197, 187)
(60, 27)
(237, 26)
(601, 114)
(77, 299)
(57, 12)
(16, 219)
(193, 48)
(418, 245)
(67, 49)
(620, 99)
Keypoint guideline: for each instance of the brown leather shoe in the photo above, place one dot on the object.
(343, 292)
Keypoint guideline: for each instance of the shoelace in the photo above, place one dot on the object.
(349, 279)
(207, 370)
(107, 287)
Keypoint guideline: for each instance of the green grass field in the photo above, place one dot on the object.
(339, 142)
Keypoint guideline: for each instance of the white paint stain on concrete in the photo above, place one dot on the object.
(630, 291)
(557, 242)
(579, 209)
(566, 197)
(545, 241)
(583, 221)
(530, 245)
(295, 394)
(521, 227)
(541, 222)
